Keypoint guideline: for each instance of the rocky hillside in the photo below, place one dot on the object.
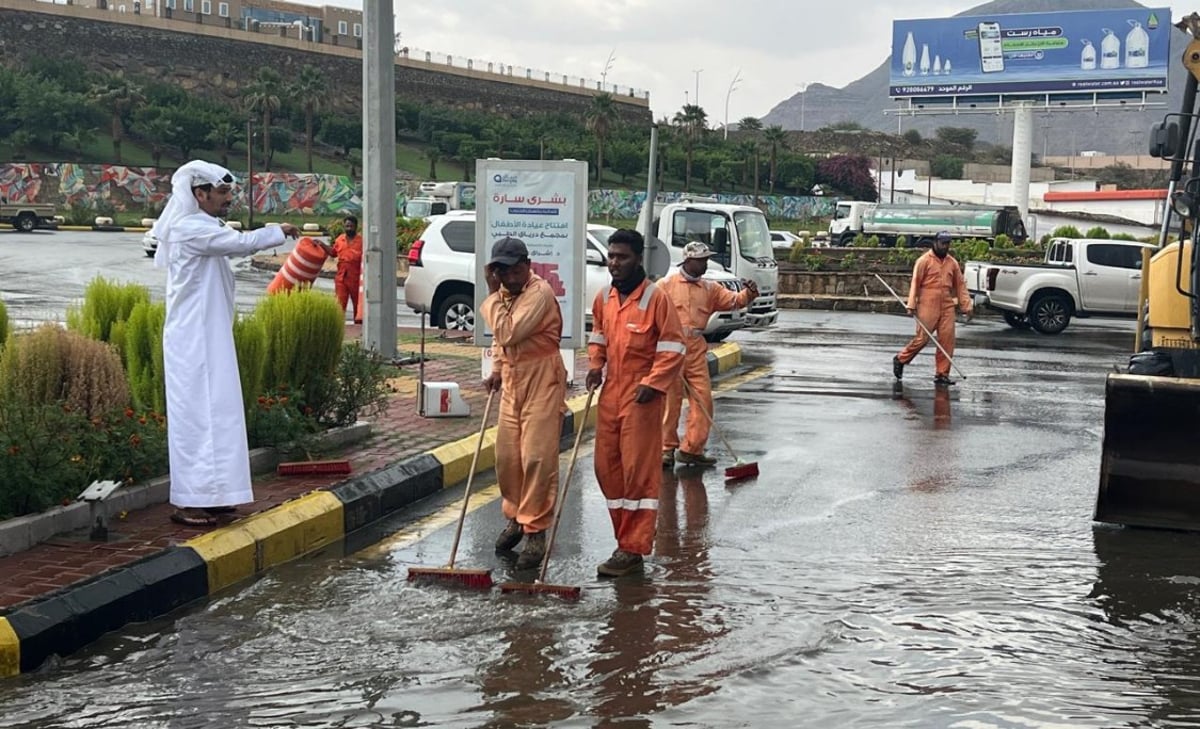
(1112, 132)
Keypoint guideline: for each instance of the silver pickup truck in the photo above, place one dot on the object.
(1078, 278)
(26, 216)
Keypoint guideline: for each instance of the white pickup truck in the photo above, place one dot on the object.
(1078, 278)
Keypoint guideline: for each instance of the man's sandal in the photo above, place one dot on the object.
(194, 520)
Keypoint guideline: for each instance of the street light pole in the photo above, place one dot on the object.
(249, 174)
(732, 84)
(803, 93)
(607, 65)
(697, 71)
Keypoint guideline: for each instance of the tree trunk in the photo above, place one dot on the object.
(467, 169)
(308, 135)
(772, 170)
(432, 168)
(756, 177)
(116, 137)
(599, 161)
(687, 171)
(225, 157)
(267, 139)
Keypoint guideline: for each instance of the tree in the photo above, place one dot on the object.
(79, 138)
(797, 172)
(600, 117)
(262, 97)
(845, 125)
(156, 129)
(958, 136)
(752, 127)
(913, 137)
(626, 159)
(281, 141)
(341, 132)
(434, 158)
(850, 174)
(190, 127)
(692, 122)
(120, 97)
(223, 135)
(947, 167)
(309, 92)
(776, 137)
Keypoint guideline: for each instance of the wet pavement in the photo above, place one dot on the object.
(908, 557)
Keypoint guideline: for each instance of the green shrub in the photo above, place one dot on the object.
(304, 332)
(860, 241)
(276, 419)
(850, 261)
(796, 255)
(105, 303)
(1098, 232)
(1128, 236)
(408, 230)
(814, 261)
(1002, 241)
(144, 356)
(250, 343)
(901, 241)
(3, 324)
(356, 389)
(1062, 231)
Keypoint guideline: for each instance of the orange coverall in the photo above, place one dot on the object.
(937, 288)
(349, 271)
(694, 301)
(640, 342)
(526, 330)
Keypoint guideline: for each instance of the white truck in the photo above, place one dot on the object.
(1078, 277)
(738, 235)
(438, 198)
(919, 224)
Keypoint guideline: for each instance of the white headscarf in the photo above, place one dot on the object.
(183, 202)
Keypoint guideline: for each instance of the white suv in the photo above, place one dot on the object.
(441, 275)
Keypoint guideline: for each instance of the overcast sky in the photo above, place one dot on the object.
(658, 44)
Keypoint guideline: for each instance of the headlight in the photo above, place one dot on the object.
(1183, 204)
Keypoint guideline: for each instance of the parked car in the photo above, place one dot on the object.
(149, 244)
(1078, 277)
(441, 275)
(784, 239)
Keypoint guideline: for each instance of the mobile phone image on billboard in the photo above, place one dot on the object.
(991, 50)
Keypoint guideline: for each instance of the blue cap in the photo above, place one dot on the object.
(944, 235)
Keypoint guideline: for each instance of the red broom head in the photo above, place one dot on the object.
(479, 579)
(566, 592)
(741, 471)
(295, 468)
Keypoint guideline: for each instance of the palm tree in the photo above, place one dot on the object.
(156, 131)
(600, 118)
(309, 91)
(119, 96)
(747, 149)
(692, 121)
(262, 97)
(223, 135)
(752, 127)
(776, 137)
(434, 158)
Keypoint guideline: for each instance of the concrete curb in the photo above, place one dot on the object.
(73, 617)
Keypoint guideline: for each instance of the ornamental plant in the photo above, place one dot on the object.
(144, 355)
(106, 304)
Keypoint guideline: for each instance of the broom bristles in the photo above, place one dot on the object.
(481, 579)
(740, 471)
(567, 592)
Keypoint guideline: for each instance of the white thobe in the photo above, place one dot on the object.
(206, 422)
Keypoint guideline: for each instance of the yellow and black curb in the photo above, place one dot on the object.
(71, 618)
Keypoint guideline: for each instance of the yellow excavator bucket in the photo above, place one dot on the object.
(1150, 468)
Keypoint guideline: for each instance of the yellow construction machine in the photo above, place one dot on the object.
(1150, 472)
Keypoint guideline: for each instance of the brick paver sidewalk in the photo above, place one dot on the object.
(397, 434)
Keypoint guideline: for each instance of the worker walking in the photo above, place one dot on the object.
(695, 299)
(348, 249)
(937, 289)
(526, 322)
(636, 351)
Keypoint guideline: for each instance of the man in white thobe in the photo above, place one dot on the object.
(206, 423)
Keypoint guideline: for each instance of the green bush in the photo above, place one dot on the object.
(144, 356)
(1098, 232)
(1002, 241)
(3, 324)
(357, 388)
(796, 255)
(1062, 231)
(1127, 236)
(902, 241)
(104, 304)
(408, 230)
(304, 332)
(250, 343)
(850, 261)
(814, 261)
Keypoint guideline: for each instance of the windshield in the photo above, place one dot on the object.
(842, 211)
(417, 209)
(754, 237)
(601, 234)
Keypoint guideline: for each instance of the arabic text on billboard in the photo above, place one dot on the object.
(1082, 52)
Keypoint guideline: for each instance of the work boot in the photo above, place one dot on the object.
(696, 459)
(668, 459)
(534, 551)
(943, 381)
(897, 368)
(510, 537)
(620, 563)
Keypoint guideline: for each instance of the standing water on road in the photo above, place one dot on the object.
(908, 557)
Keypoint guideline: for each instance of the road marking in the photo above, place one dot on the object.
(450, 513)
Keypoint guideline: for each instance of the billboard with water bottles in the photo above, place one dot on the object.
(1081, 52)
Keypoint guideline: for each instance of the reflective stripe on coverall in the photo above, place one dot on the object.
(349, 272)
(694, 301)
(937, 288)
(638, 342)
(526, 331)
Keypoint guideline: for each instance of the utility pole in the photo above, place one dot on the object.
(732, 85)
(379, 175)
(249, 174)
(697, 71)
(803, 86)
(607, 65)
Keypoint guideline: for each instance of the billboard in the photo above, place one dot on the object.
(1081, 52)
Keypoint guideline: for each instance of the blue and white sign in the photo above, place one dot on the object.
(1081, 52)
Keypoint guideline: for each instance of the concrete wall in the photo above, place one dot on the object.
(1149, 212)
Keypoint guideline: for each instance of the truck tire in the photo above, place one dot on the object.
(717, 337)
(1050, 313)
(26, 222)
(457, 313)
(1017, 321)
(846, 239)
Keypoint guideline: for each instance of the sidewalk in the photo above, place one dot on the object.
(61, 594)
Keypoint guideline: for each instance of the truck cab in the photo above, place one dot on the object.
(439, 198)
(739, 237)
(847, 221)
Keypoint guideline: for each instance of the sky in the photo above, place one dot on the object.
(659, 45)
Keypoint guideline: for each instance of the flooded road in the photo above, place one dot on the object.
(907, 558)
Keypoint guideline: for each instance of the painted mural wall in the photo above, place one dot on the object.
(143, 191)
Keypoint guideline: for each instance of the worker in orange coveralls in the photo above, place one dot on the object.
(937, 289)
(526, 322)
(348, 249)
(695, 300)
(636, 351)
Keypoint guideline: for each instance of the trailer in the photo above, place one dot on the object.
(920, 224)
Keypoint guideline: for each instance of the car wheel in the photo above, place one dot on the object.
(717, 337)
(1050, 313)
(26, 222)
(1017, 321)
(457, 313)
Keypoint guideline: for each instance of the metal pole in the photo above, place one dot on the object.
(736, 77)
(249, 175)
(1022, 156)
(697, 71)
(893, 196)
(379, 175)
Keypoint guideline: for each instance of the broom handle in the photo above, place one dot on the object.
(562, 497)
(923, 327)
(487, 409)
(695, 402)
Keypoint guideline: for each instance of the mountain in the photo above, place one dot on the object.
(1111, 131)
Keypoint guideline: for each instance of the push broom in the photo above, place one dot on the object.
(924, 328)
(740, 469)
(470, 578)
(539, 586)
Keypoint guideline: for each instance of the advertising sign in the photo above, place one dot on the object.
(1081, 52)
(544, 204)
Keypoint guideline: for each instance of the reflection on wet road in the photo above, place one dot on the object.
(908, 557)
